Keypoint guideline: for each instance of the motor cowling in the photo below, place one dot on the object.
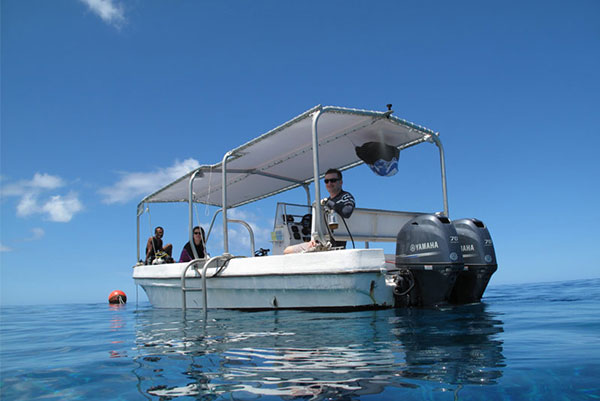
(428, 253)
(479, 258)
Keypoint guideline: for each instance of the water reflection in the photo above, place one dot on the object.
(289, 354)
(455, 346)
(117, 323)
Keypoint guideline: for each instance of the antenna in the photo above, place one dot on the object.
(389, 111)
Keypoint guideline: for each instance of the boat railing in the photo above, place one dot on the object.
(250, 232)
(212, 223)
(372, 225)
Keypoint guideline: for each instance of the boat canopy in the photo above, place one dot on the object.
(282, 159)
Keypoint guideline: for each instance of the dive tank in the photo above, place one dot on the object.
(479, 258)
(428, 258)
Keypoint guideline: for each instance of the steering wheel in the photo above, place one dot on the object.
(306, 223)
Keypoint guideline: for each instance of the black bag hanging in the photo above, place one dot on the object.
(381, 158)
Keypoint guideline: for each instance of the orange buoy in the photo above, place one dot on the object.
(117, 297)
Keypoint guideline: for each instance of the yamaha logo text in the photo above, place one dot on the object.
(424, 246)
(467, 248)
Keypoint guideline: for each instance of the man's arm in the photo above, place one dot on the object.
(343, 206)
(149, 250)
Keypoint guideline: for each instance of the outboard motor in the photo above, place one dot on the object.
(429, 260)
(479, 258)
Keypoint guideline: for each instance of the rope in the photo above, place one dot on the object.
(411, 279)
(157, 253)
(151, 234)
(200, 225)
(209, 188)
(349, 233)
(347, 229)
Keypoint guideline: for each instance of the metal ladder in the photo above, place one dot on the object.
(225, 257)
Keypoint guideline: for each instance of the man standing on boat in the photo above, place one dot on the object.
(339, 200)
(155, 245)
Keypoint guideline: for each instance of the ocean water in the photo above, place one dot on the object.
(524, 342)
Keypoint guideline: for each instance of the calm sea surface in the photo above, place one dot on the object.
(524, 342)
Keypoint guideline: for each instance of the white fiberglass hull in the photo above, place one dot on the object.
(335, 279)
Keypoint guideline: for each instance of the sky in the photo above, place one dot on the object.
(105, 101)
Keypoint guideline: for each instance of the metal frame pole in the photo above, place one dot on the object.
(250, 232)
(138, 229)
(438, 143)
(318, 219)
(191, 214)
(224, 190)
(307, 189)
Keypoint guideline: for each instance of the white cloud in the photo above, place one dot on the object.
(28, 205)
(62, 209)
(36, 234)
(138, 184)
(38, 182)
(46, 181)
(111, 12)
(57, 208)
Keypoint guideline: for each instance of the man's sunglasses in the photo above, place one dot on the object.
(328, 180)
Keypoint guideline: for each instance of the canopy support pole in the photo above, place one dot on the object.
(438, 143)
(191, 214)
(317, 218)
(224, 190)
(307, 189)
(140, 211)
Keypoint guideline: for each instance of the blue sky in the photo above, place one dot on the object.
(103, 101)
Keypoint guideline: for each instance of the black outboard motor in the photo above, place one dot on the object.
(479, 258)
(429, 260)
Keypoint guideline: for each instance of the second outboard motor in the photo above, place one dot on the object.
(480, 261)
(429, 260)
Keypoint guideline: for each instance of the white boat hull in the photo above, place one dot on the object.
(336, 279)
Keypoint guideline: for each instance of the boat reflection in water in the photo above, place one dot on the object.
(288, 354)
(458, 347)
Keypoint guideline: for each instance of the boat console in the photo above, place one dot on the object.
(292, 226)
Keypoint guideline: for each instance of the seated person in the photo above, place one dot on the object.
(155, 245)
(187, 253)
(301, 248)
(339, 200)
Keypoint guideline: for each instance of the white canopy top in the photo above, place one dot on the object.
(282, 159)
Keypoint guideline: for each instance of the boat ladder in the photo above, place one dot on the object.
(225, 257)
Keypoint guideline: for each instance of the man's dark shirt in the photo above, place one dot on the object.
(343, 204)
(154, 245)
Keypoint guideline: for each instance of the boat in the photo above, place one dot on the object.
(437, 260)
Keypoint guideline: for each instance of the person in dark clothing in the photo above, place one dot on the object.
(339, 200)
(187, 253)
(155, 245)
